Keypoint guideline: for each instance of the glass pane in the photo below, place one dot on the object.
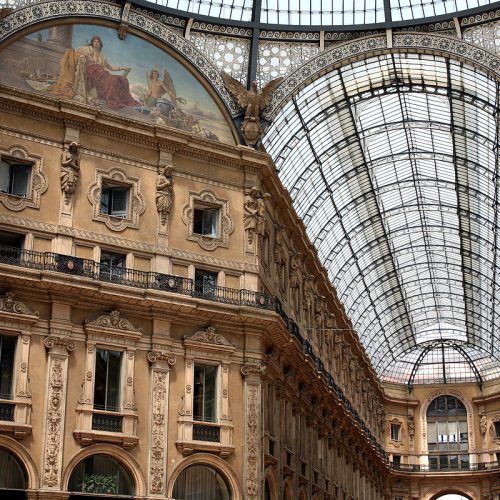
(119, 201)
(107, 380)
(20, 179)
(7, 352)
(199, 482)
(105, 195)
(4, 176)
(205, 386)
(113, 381)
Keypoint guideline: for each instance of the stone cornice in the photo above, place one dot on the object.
(111, 125)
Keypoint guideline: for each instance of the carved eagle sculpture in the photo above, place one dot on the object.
(251, 100)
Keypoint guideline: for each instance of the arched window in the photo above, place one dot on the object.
(200, 482)
(101, 475)
(447, 434)
(12, 477)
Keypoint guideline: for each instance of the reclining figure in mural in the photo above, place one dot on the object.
(85, 76)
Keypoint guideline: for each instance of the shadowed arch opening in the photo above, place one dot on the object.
(451, 496)
(101, 474)
(13, 477)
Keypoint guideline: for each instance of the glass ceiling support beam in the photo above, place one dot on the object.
(472, 365)
(318, 162)
(496, 181)
(461, 233)
(397, 273)
(254, 43)
(414, 370)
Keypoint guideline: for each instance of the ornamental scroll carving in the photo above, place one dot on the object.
(53, 428)
(10, 305)
(52, 341)
(115, 321)
(209, 337)
(154, 356)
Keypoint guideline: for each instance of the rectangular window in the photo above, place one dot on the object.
(112, 266)
(11, 246)
(497, 429)
(114, 200)
(395, 431)
(396, 461)
(7, 353)
(206, 221)
(205, 393)
(107, 380)
(14, 176)
(205, 283)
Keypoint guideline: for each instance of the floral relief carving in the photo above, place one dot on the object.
(252, 443)
(53, 430)
(37, 184)
(158, 424)
(225, 224)
(136, 202)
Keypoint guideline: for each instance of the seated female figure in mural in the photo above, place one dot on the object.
(85, 76)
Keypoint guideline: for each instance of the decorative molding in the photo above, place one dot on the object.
(154, 356)
(252, 441)
(9, 305)
(209, 337)
(115, 321)
(254, 366)
(54, 423)
(38, 182)
(344, 53)
(136, 203)
(207, 198)
(157, 458)
(53, 341)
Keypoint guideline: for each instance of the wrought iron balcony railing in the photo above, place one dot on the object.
(461, 467)
(77, 266)
(210, 433)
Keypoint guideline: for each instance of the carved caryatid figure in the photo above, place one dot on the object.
(296, 279)
(70, 170)
(253, 102)
(164, 192)
(255, 213)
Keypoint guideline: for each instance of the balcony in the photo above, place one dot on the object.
(461, 467)
(77, 266)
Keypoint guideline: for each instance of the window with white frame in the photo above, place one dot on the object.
(395, 432)
(112, 266)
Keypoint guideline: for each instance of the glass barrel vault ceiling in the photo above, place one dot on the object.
(392, 163)
(322, 12)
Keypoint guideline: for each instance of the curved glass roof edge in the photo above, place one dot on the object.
(257, 24)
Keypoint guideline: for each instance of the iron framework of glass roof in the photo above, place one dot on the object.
(392, 163)
(322, 12)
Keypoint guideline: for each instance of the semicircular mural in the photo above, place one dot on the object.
(132, 77)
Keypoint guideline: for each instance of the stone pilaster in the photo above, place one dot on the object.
(253, 466)
(55, 406)
(161, 363)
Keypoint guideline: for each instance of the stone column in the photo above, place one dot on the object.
(161, 363)
(252, 396)
(55, 410)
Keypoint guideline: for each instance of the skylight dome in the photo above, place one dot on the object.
(392, 165)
